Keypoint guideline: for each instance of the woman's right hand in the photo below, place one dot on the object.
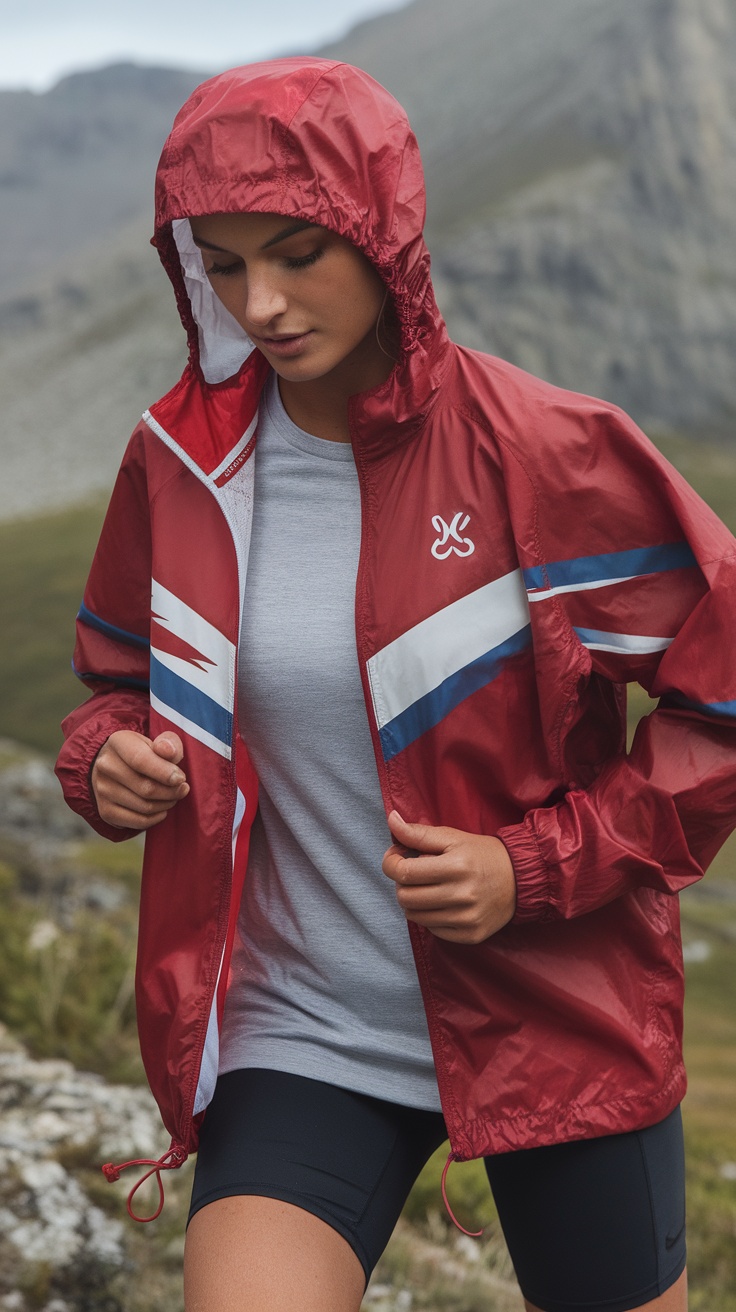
(136, 781)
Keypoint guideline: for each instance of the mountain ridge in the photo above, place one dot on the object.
(581, 174)
(597, 248)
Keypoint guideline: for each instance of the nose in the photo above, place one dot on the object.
(264, 299)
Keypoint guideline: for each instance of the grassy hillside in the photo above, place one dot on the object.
(43, 567)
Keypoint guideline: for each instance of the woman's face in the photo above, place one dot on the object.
(306, 297)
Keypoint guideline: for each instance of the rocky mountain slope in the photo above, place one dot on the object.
(76, 163)
(581, 166)
(59, 1249)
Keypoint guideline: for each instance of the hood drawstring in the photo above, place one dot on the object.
(169, 1161)
(473, 1234)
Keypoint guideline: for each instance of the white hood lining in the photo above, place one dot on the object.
(223, 345)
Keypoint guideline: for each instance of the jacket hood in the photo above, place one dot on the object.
(312, 139)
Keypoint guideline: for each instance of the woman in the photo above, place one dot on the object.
(454, 569)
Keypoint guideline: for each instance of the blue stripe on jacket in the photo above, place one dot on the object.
(429, 710)
(614, 565)
(174, 691)
(111, 630)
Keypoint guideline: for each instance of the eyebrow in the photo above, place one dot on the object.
(299, 226)
(280, 236)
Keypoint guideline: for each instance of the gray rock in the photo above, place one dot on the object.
(47, 1221)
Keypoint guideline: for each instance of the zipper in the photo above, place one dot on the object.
(177, 1154)
(446, 1098)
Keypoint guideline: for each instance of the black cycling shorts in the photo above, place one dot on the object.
(597, 1225)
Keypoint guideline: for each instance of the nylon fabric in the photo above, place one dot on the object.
(567, 1024)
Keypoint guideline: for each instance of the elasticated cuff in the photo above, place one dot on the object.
(531, 872)
(74, 768)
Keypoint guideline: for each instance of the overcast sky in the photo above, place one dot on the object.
(41, 40)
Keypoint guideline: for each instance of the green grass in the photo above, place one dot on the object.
(710, 467)
(43, 567)
(710, 1122)
(66, 980)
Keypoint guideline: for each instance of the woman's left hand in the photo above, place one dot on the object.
(460, 886)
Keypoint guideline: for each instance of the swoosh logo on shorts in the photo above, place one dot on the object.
(671, 1240)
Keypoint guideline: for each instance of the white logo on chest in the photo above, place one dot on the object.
(449, 534)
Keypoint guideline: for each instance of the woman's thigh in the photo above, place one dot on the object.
(248, 1254)
(595, 1224)
(299, 1185)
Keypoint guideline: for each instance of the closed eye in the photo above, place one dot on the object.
(303, 261)
(225, 269)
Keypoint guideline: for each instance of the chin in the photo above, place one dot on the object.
(298, 371)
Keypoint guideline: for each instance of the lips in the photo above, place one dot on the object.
(286, 345)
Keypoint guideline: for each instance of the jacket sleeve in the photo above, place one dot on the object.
(657, 815)
(111, 655)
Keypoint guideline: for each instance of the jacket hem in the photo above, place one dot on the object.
(593, 1121)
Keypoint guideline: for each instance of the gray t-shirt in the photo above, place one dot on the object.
(323, 981)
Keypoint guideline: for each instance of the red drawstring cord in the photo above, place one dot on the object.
(473, 1234)
(170, 1161)
(176, 1156)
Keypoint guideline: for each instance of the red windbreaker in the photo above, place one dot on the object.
(525, 553)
